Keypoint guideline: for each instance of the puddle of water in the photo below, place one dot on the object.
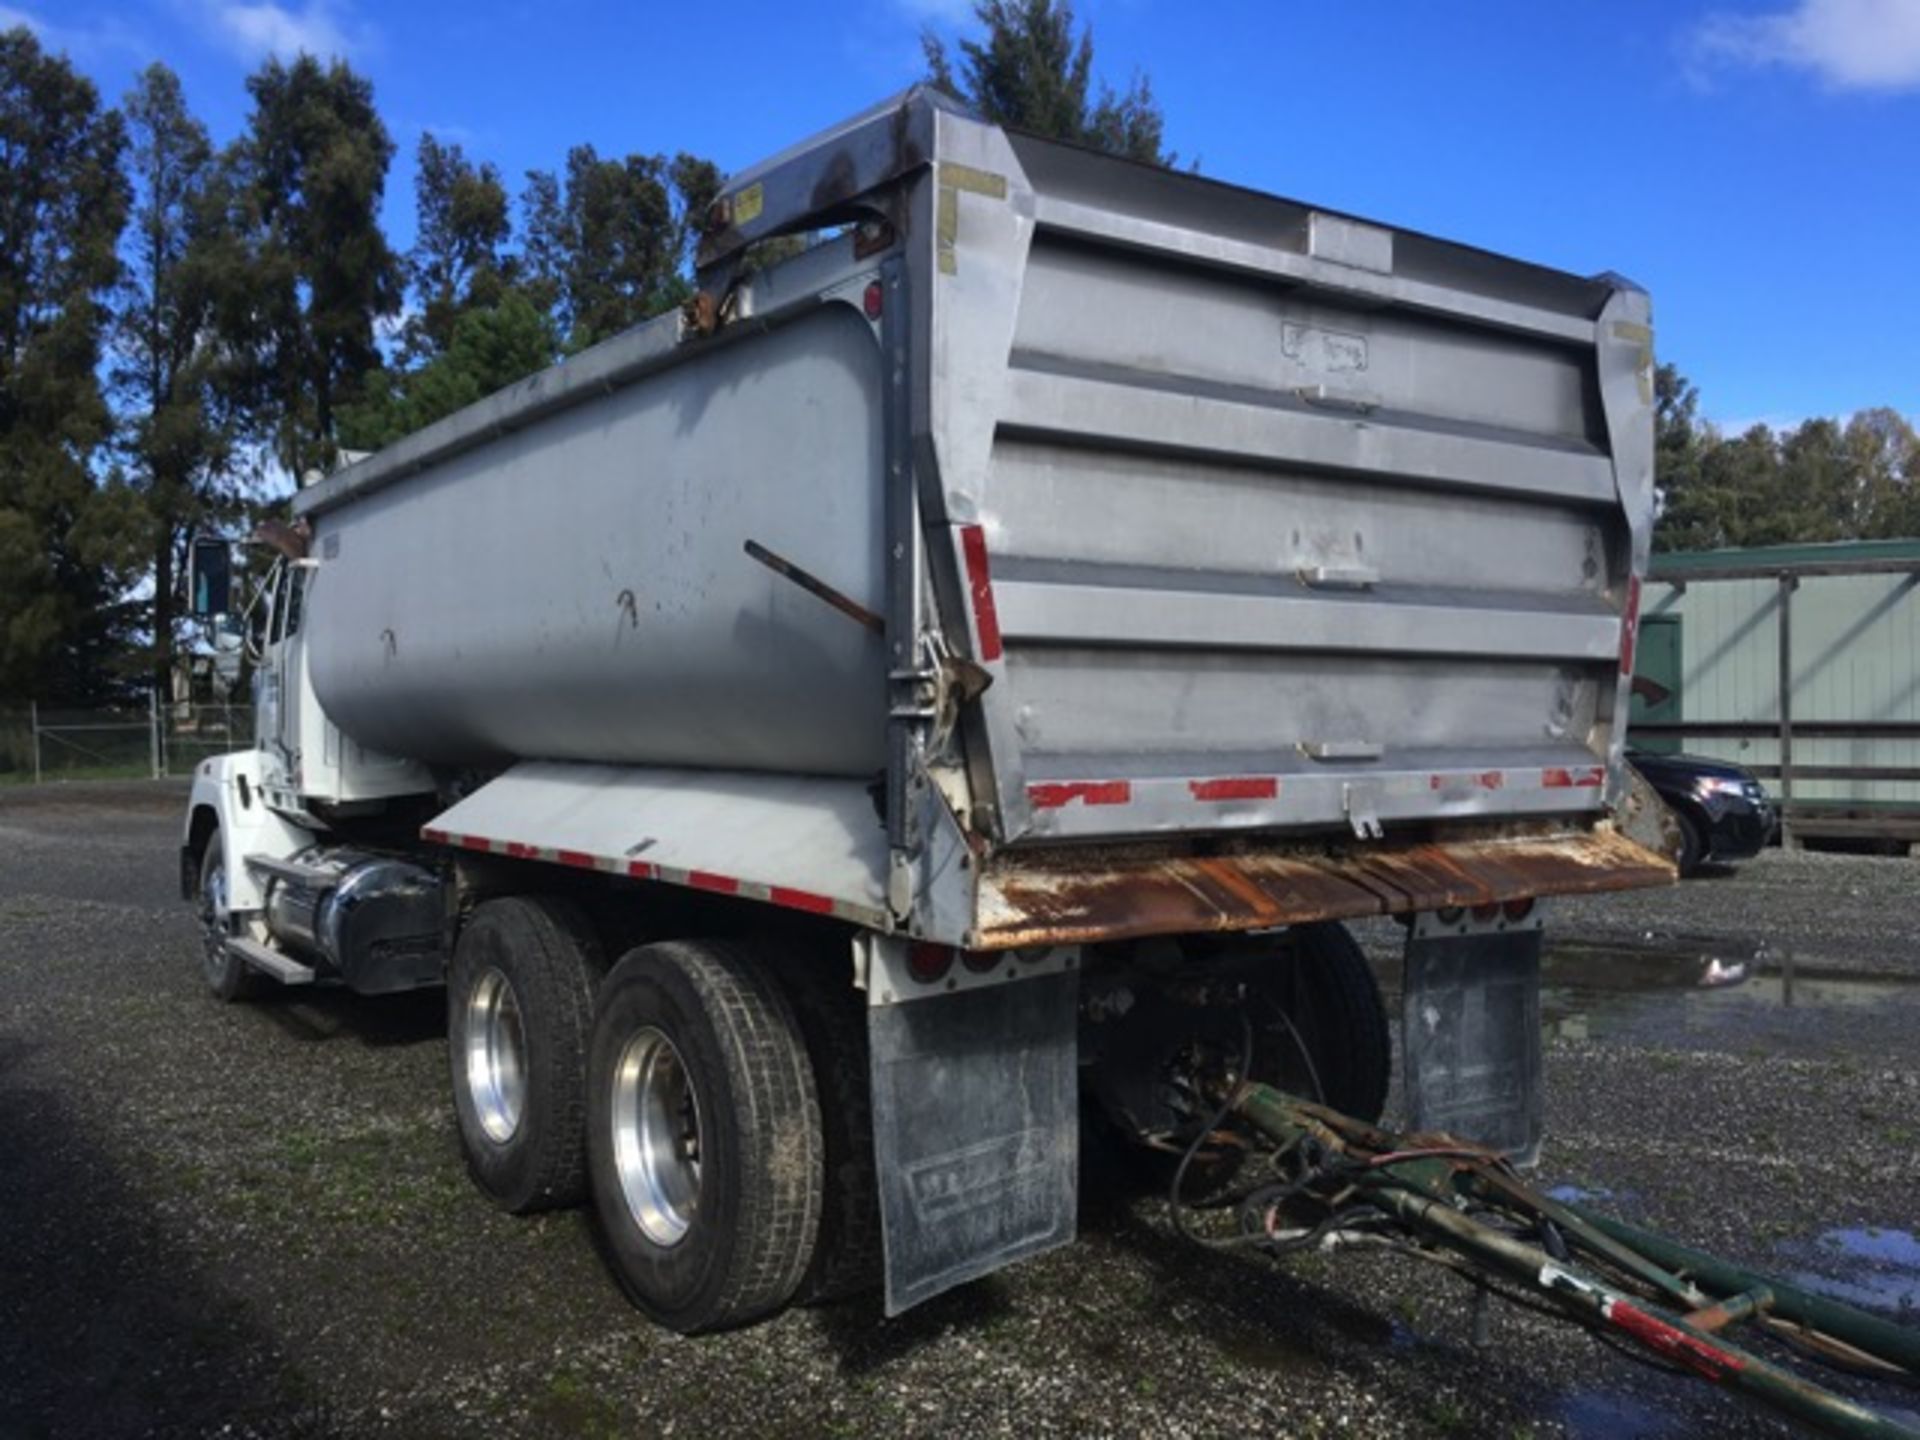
(1879, 1268)
(1588, 1195)
(1682, 985)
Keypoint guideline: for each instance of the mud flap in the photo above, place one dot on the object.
(975, 1131)
(1471, 1016)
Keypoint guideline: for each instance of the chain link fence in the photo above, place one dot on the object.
(47, 743)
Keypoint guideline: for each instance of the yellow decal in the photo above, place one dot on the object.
(1635, 333)
(975, 182)
(954, 179)
(748, 204)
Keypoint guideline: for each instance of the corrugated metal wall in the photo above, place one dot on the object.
(1855, 657)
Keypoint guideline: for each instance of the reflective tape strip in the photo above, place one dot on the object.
(1221, 789)
(1236, 787)
(1052, 795)
(986, 617)
(1630, 625)
(1478, 780)
(788, 897)
(1557, 779)
(800, 899)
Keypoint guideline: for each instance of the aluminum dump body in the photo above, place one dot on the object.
(1181, 511)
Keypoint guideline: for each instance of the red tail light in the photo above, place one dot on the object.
(929, 963)
(1518, 910)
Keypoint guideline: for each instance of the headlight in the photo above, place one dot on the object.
(1716, 785)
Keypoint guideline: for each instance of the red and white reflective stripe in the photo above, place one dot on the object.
(1473, 780)
(1257, 789)
(1211, 790)
(1585, 777)
(1630, 625)
(1221, 788)
(788, 896)
(1056, 794)
(986, 616)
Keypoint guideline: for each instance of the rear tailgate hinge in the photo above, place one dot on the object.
(1361, 801)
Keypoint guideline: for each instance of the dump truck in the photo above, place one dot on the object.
(838, 741)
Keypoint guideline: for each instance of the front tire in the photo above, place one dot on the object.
(228, 976)
(519, 1014)
(1693, 849)
(705, 1144)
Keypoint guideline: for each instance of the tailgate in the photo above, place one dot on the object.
(1288, 520)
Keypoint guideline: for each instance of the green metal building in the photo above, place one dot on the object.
(1800, 662)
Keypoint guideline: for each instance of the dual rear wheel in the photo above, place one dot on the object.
(718, 1120)
(697, 1131)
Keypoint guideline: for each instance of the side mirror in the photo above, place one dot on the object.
(210, 577)
(229, 645)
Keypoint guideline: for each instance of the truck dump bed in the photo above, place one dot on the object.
(1183, 513)
(1293, 519)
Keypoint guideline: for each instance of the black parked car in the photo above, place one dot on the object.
(1724, 813)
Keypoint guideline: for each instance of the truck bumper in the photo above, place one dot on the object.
(1033, 898)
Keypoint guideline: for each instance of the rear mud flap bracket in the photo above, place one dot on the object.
(975, 1131)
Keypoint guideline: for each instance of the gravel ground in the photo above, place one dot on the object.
(253, 1220)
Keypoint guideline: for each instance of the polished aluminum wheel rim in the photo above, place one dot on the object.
(496, 1056)
(656, 1137)
(213, 915)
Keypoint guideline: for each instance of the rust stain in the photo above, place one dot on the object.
(1061, 898)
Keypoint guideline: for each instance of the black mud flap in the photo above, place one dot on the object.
(975, 1131)
(1472, 1036)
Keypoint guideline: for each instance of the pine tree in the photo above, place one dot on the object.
(63, 202)
(172, 374)
(608, 247)
(459, 261)
(1029, 72)
(312, 169)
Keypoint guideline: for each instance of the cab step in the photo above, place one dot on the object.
(311, 876)
(283, 968)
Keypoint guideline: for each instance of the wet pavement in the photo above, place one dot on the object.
(253, 1220)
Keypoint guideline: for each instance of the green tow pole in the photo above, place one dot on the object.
(1898, 1344)
(1421, 1183)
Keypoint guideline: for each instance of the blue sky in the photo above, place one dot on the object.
(1756, 165)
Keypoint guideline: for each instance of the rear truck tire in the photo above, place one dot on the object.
(519, 1018)
(1314, 976)
(1693, 847)
(1321, 982)
(1344, 1023)
(705, 1144)
(228, 976)
(850, 1256)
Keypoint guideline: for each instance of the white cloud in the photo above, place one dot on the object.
(82, 40)
(254, 31)
(1848, 44)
